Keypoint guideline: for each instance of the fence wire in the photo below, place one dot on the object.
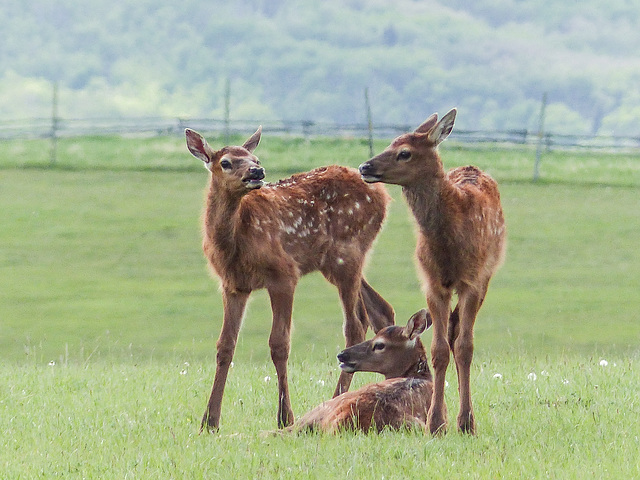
(159, 126)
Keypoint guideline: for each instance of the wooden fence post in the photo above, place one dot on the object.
(536, 166)
(227, 111)
(369, 120)
(53, 153)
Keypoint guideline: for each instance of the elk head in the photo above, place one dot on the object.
(391, 352)
(412, 156)
(237, 167)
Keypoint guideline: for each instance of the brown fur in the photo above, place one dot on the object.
(260, 235)
(402, 400)
(461, 243)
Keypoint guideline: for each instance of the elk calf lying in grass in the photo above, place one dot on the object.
(461, 243)
(259, 235)
(400, 401)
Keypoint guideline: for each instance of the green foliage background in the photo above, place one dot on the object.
(303, 60)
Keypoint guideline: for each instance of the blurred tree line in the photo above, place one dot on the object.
(302, 59)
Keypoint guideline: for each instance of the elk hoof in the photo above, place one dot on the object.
(467, 424)
(208, 425)
(437, 424)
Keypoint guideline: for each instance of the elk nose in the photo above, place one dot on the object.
(343, 357)
(364, 168)
(256, 173)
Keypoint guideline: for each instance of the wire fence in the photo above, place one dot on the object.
(159, 126)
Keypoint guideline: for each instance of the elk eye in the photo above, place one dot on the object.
(404, 155)
(378, 347)
(226, 164)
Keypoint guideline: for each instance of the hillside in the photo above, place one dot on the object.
(312, 60)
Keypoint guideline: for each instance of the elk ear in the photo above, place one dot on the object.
(428, 124)
(417, 324)
(443, 127)
(198, 146)
(253, 141)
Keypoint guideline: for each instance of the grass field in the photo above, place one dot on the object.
(577, 419)
(108, 323)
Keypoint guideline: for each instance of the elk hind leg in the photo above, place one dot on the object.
(355, 323)
(469, 304)
(439, 308)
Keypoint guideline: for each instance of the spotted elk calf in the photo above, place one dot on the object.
(461, 243)
(260, 235)
(401, 400)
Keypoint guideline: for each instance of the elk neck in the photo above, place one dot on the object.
(420, 368)
(428, 198)
(221, 216)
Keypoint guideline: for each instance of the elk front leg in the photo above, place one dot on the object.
(469, 302)
(439, 308)
(234, 305)
(280, 344)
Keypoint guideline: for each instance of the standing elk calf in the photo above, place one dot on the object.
(461, 243)
(401, 400)
(259, 235)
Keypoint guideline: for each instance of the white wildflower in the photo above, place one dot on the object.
(544, 373)
(603, 363)
(321, 383)
(497, 376)
(52, 363)
(267, 379)
(183, 372)
(565, 382)
(532, 376)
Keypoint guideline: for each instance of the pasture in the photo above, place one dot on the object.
(108, 323)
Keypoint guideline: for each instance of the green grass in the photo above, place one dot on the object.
(101, 273)
(577, 419)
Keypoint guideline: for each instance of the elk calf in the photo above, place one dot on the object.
(259, 235)
(401, 400)
(461, 243)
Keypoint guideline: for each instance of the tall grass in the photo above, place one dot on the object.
(565, 418)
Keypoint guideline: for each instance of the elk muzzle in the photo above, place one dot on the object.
(254, 178)
(350, 357)
(368, 173)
